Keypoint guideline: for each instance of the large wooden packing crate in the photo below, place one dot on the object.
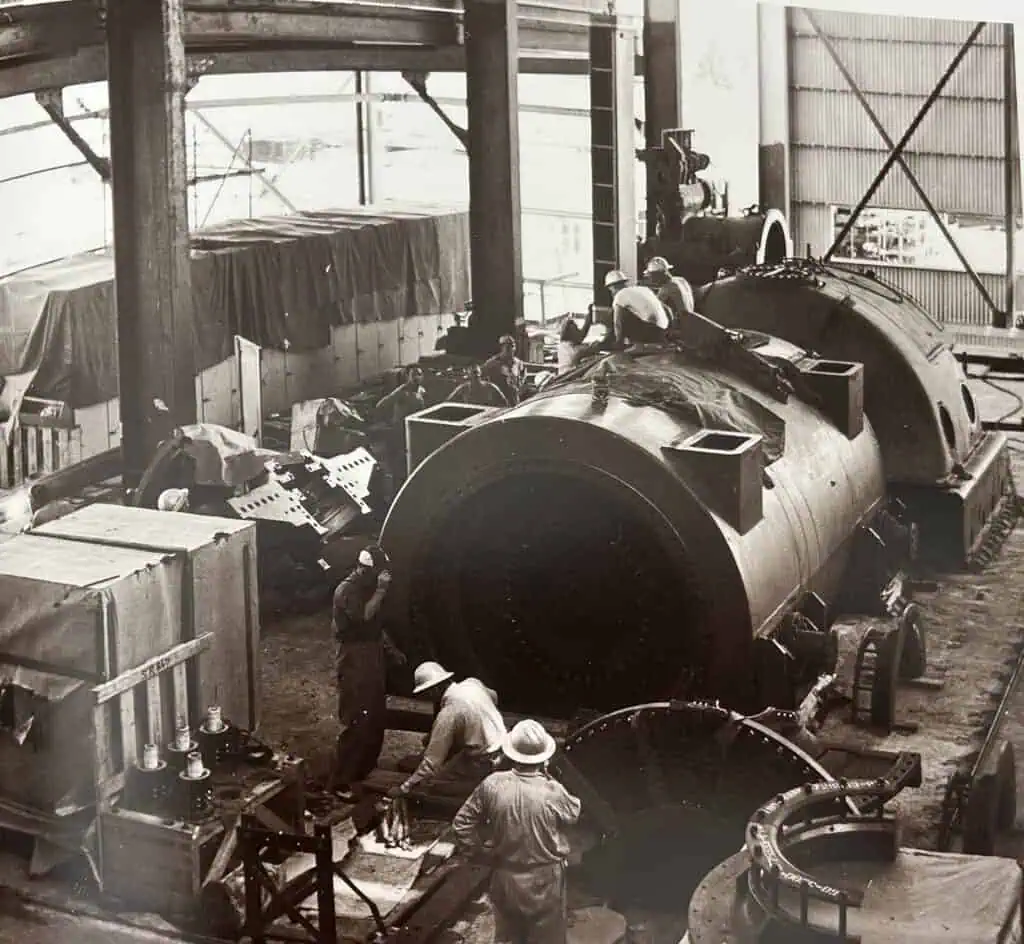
(74, 614)
(222, 595)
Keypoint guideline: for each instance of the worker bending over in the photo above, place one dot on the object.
(363, 648)
(403, 401)
(477, 390)
(637, 315)
(467, 734)
(518, 819)
(673, 291)
(506, 371)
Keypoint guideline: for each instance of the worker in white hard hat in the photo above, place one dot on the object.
(466, 737)
(173, 499)
(505, 370)
(638, 317)
(673, 291)
(518, 819)
(363, 650)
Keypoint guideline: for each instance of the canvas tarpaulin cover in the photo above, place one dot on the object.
(281, 282)
(924, 897)
(695, 391)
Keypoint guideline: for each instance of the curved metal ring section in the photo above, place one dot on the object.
(817, 813)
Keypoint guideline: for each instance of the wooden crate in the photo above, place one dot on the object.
(220, 586)
(159, 864)
(74, 614)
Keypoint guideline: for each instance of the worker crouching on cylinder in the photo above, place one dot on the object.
(363, 648)
(638, 317)
(517, 819)
(466, 737)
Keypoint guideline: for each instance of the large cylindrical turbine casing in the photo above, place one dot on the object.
(579, 554)
(915, 392)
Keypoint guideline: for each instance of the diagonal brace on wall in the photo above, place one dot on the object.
(417, 81)
(897, 151)
(51, 101)
(911, 177)
(267, 185)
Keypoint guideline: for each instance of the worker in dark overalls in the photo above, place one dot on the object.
(517, 819)
(363, 650)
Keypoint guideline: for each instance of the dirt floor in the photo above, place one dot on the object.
(974, 636)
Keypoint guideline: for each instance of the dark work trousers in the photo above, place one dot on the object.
(634, 331)
(530, 906)
(362, 711)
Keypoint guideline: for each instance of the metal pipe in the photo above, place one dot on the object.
(911, 177)
(907, 135)
(1005, 319)
(361, 137)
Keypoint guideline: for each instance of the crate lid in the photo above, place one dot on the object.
(71, 563)
(141, 528)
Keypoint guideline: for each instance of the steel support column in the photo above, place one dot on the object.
(495, 213)
(364, 138)
(612, 151)
(663, 92)
(774, 83)
(156, 359)
(1012, 175)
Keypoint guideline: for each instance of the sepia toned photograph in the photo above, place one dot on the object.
(511, 472)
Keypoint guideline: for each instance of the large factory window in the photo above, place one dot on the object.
(888, 236)
(559, 592)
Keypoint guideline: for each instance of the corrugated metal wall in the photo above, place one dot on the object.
(957, 153)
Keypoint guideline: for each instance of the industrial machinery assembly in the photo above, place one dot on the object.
(651, 524)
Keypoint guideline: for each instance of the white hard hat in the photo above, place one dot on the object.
(428, 675)
(657, 264)
(529, 743)
(615, 277)
(173, 499)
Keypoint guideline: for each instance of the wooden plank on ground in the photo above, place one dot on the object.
(446, 901)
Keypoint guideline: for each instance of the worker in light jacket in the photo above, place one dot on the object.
(363, 650)
(466, 737)
(517, 820)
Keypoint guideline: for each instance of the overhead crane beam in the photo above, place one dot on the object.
(54, 45)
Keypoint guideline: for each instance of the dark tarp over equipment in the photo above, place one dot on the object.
(280, 282)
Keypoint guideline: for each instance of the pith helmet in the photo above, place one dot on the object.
(528, 743)
(429, 675)
(656, 265)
